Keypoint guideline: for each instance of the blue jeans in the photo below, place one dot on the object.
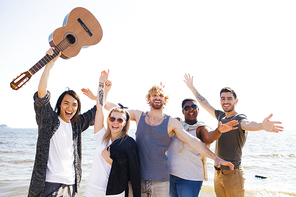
(184, 188)
(154, 188)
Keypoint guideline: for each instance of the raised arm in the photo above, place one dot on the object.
(207, 136)
(42, 88)
(89, 94)
(134, 114)
(202, 101)
(195, 143)
(99, 119)
(267, 125)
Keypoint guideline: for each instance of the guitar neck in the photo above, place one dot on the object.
(46, 59)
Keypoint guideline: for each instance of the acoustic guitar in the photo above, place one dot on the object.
(80, 29)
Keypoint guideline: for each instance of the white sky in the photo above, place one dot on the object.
(247, 45)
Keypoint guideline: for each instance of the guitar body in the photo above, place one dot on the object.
(80, 29)
(74, 29)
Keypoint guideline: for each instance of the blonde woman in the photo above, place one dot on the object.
(116, 160)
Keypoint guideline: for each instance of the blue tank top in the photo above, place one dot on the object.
(153, 142)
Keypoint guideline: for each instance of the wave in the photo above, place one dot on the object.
(268, 193)
(277, 155)
(10, 151)
(8, 162)
(256, 156)
(208, 191)
(21, 161)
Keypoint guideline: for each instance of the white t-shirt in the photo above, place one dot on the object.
(100, 170)
(60, 164)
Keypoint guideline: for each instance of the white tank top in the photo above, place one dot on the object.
(183, 161)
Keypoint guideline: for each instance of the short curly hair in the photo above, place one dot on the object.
(156, 90)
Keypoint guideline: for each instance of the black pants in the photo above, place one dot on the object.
(58, 190)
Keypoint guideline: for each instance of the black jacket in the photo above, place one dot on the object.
(125, 167)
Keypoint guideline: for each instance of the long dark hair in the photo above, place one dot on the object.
(60, 99)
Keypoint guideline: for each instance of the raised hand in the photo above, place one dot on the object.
(50, 52)
(272, 126)
(104, 76)
(188, 80)
(108, 85)
(223, 128)
(89, 93)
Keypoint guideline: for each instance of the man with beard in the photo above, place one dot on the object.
(188, 168)
(229, 145)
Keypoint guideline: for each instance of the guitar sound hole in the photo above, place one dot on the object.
(70, 38)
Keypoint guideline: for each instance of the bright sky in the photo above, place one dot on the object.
(247, 45)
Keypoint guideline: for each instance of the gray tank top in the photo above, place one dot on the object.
(153, 142)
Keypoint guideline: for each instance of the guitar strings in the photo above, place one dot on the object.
(60, 47)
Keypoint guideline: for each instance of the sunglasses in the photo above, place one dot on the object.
(119, 120)
(187, 107)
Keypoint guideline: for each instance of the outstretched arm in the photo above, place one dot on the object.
(202, 101)
(267, 125)
(42, 88)
(195, 143)
(99, 119)
(207, 136)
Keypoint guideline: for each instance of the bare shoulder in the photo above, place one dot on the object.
(135, 114)
(174, 122)
(174, 126)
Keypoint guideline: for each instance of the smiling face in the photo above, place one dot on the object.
(115, 125)
(191, 114)
(68, 108)
(156, 97)
(228, 101)
(157, 101)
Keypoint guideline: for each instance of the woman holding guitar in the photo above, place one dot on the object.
(57, 167)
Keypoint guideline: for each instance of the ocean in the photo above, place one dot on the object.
(265, 154)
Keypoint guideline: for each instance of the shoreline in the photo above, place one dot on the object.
(263, 155)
